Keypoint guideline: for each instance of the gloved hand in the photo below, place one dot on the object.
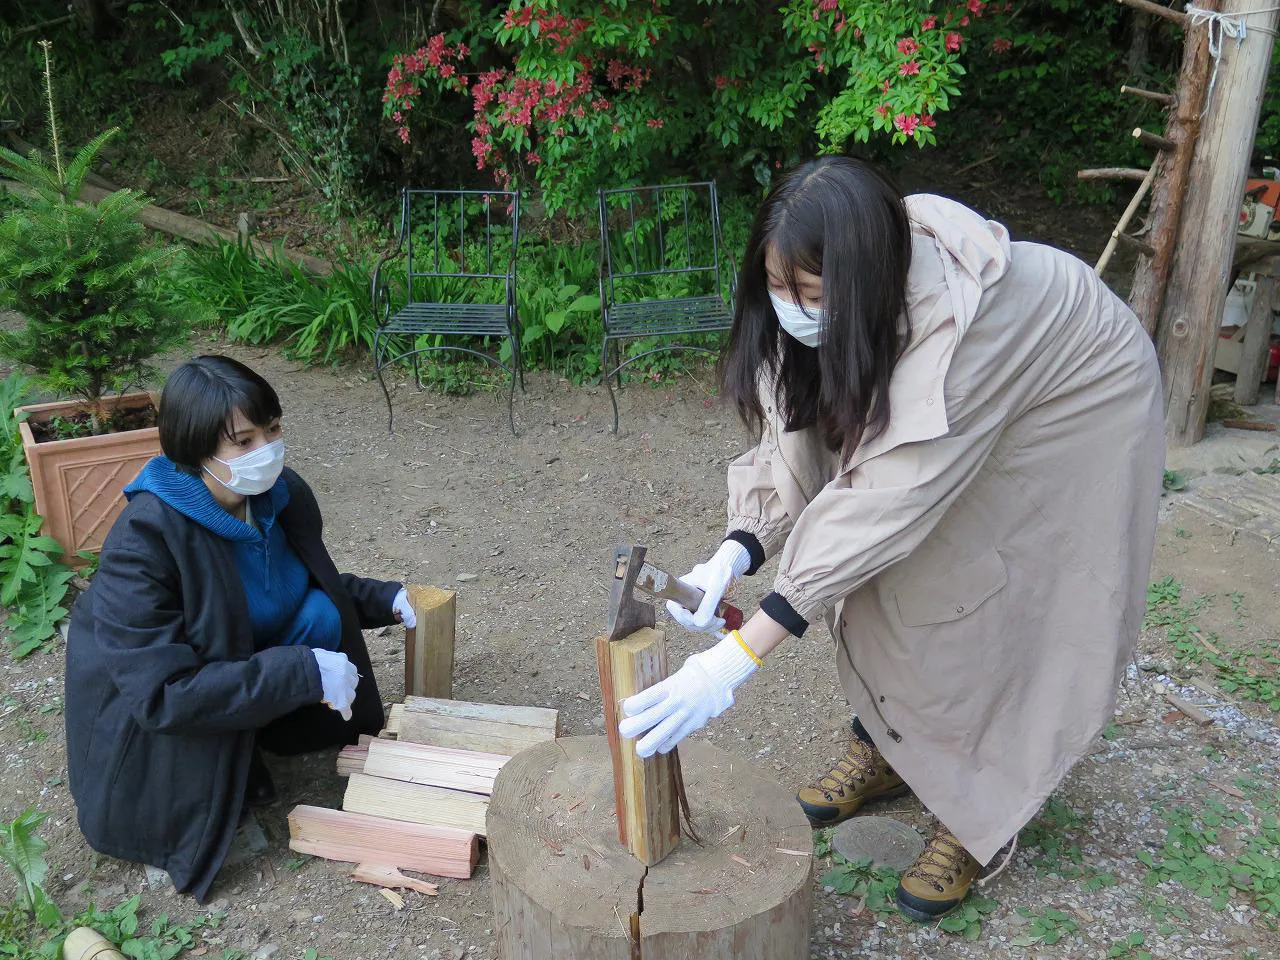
(713, 577)
(673, 708)
(338, 679)
(404, 609)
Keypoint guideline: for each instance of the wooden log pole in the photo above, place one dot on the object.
(562, 888)
(1197, 290)
(85, 943)
(1166, 99)
(1112, 173)
(1146, 294)
(645, 794)
(1257, 343)
(428, 646)
(1123, 223)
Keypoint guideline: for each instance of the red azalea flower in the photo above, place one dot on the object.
(1001, 45)
(908, 69)
(655, 122)
(975, 7)
(929, 23)
(907, 46)
(907, 123)
(883, 109)
(953, 41)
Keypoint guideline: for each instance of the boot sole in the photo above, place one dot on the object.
(925, 911)
(818, 816)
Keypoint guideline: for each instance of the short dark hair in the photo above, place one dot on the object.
(842, 219)
(198, 402)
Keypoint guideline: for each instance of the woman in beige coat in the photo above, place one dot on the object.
(960, 456)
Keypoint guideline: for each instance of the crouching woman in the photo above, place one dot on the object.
(216, 625)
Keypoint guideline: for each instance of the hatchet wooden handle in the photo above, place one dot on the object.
(691, 598)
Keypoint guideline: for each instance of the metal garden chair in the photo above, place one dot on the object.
(460, 279)
(660, 272)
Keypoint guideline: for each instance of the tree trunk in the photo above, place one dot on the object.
(1197, 289)
(96, 17)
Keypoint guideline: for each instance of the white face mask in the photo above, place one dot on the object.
(803, 323)
(255, 472)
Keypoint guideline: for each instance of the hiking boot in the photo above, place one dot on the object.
(862, 774)
(939, 879)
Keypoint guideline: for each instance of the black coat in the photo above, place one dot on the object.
(165, 695)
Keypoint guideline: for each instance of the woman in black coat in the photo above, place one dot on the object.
(216, 624)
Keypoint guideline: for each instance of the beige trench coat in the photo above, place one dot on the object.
(983, 563)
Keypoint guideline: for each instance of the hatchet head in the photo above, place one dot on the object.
(627, 612)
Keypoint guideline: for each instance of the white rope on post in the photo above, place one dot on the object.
(1221, 25)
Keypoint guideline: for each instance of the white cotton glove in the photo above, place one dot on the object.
(673, 708)
(404, 609)
(731, 561)
(338, 679)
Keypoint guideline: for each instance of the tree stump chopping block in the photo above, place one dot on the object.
(564, 888)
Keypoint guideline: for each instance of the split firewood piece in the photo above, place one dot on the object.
(428, 647)
(352, 759)
(483, 727)
(392, 728)
(415, 803)
(1189, 709)
(434, 766)
(383, 876)
(357, 838)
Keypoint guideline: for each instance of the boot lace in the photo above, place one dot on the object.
(858, 763)
(942, 861)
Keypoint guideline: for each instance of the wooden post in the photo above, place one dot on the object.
(645, 794)
(1164, 214)
(244, 228)
(428, 647)
(1257, 343)
(1197, 290)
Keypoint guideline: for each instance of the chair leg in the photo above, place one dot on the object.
(606, 375)
(417, 373)
(515, 374)
(377, 368)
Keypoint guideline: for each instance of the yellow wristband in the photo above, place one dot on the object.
(755, 658)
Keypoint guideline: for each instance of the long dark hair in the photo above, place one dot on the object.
(839, 218)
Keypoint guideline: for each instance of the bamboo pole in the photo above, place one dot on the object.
(1128, 214)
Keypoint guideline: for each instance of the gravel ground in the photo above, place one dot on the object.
(522, 529)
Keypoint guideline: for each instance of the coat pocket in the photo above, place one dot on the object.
(971, 582)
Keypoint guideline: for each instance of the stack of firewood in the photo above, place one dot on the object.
(417, 794)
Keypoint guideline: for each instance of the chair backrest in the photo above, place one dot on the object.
(647, 233)
(459, 235)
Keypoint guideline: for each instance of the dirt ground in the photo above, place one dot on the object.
(522, 529)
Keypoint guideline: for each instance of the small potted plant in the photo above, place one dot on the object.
(88, 285)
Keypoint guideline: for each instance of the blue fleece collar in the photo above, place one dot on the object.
(190, 497)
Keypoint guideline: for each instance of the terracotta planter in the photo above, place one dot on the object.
(79, 483)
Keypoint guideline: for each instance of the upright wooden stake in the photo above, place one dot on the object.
(1257, 343)
(1164, 217)
(1197, 290)
(428, 647)
(644, 790)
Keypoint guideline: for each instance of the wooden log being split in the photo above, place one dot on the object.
(1153, 140)
(415, 803)
(85, 943)
(645, 793)
(1167, 99)
(428, 647)
(433, 766)
(483, 727)
(1112, 173)
(353, 838)
(1151, 276)
(1123, 224)
(1157, 9)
